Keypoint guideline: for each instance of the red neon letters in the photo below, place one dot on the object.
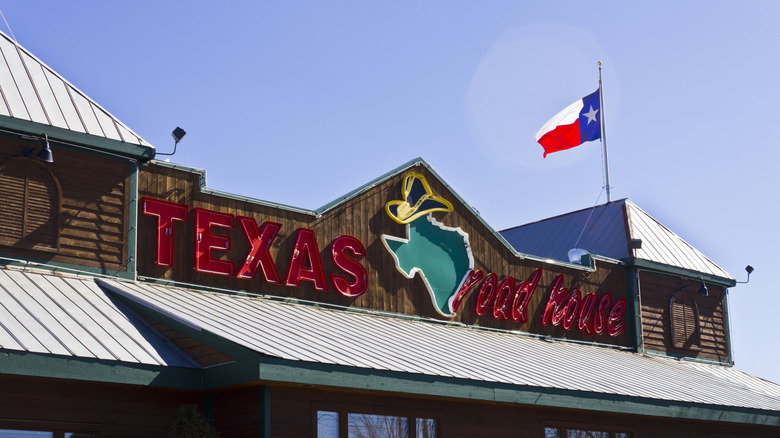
(213, 231)
(206, 241)
(569, 308)
(338, 253)
(259, 255)
(167, 213)
(509, 299)
(305, 263)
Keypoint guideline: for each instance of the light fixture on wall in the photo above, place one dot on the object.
(576, 255)
(177, 135)
(749, 270)
(703, 289)
(44, 151)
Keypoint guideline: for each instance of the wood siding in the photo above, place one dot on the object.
(111, 411)
(127, 411)
(92, 220)
(293, 412)
(363, 217)
(656, 294)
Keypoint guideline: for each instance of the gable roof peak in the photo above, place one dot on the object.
(35, 98)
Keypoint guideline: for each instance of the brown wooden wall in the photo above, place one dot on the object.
(117, 411)
(91, 223)
(293, 412)
(111, 411)
(656, 293)
(363, 217)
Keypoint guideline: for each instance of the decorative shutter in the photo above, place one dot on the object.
(29, 205)
(12, 200)
(685, 322)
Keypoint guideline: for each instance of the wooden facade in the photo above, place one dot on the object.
(76, 208)
(111, 410)
(702, 317)
(362, 216)
(92, 196)
(91, 409)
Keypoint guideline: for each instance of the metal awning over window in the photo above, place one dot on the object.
(361, 341)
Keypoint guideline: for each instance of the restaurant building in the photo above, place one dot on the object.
(128, 289)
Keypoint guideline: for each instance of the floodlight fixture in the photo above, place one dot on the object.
(43, 148)
(177, 135)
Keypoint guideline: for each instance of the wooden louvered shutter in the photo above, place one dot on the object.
(685, 322)
(29, 205)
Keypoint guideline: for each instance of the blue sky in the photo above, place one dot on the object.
(300, 102)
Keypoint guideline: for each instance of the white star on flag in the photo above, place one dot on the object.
(591, 115)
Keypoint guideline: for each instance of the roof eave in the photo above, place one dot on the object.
(682, 272)
(67, 137)
(308, 373)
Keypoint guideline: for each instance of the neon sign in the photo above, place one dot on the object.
(442, 256)
(304, 264)
(508, 299)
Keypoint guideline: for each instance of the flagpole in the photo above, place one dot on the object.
(604, 136)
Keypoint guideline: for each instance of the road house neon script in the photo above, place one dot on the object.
(304, 264)
(590, 313)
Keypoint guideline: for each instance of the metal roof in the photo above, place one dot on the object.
(52, 314)
(661, 245)
(33, 92)
(299, 332)
(599, 230)
(606, 230)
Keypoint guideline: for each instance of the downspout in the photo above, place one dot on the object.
(132, 230)
(728, 325)
(639, 328)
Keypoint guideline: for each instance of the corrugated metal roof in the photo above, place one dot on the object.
(51, 314)
(605, 230)
(599, 230)
(661, 245)
(300, 332)
(33, 92)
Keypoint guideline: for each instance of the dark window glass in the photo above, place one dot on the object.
(5, 433)
(377, 426)
(327, 424)
(565, 432)
(364, 425)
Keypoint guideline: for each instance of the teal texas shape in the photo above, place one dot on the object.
(440, 254)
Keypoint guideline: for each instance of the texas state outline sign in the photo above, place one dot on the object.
(440, 254)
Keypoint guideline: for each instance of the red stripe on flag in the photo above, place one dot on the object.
(561, 138)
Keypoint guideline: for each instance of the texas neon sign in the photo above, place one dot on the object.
(442, 257)
(304, 263)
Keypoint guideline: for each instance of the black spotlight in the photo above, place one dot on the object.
(177, 135)
(44, 154)
(703, 289)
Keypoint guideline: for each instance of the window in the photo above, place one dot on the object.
(332, 424)
(30, 211)
(569, 432)
(685, 321)
(8, 433)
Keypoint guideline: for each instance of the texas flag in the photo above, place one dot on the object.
(576, 124)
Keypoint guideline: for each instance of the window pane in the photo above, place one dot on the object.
(24, 434)
(377, 426)
(426, 428)
(551, 432)
(327, 424)
(575, 433)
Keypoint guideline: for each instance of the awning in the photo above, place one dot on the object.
(363, 343)
(44, 313)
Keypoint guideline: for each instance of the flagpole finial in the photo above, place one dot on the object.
(599, 63)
